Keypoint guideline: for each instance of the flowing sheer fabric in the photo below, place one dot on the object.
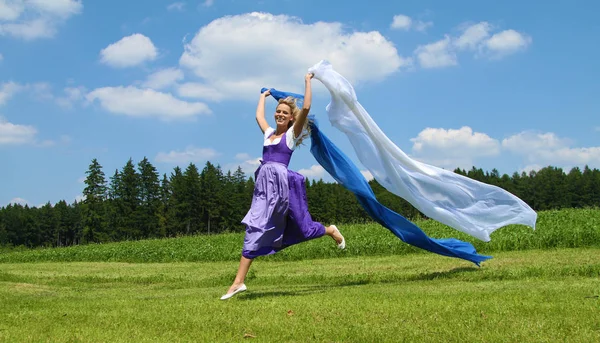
(341, 168)
(467, 205)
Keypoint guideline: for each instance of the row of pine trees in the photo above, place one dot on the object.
(136, 203)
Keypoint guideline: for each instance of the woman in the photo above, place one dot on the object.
(278, 216)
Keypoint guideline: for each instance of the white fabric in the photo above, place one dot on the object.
(289, 138)
(465, 204)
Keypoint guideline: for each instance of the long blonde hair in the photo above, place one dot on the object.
(291, 102)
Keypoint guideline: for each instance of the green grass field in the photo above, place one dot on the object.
(527, 296)
(541, 286)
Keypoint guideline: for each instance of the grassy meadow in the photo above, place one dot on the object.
(569, 228)
(540, 286)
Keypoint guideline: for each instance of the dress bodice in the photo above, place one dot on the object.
(279, 152)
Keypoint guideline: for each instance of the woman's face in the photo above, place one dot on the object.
(283, 115)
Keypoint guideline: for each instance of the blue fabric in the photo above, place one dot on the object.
(341, 168)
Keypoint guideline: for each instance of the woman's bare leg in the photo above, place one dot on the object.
(241, 274)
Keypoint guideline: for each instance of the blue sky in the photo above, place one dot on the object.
(507, 85)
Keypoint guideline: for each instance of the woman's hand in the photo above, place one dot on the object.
(266, 93)
(308, 76)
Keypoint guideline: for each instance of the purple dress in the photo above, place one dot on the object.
(278, 216)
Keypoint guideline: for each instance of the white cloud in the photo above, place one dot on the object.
(42, 91)
(404, 22)
(459, 142)
(190, 154)
(176, 6)
(11, 10)
(59, 8)
(572, 156)
(314, 172)
(507, 42)
(422, 25)
(200, 91)
(32, 19)
(19, 201)
(138, 102)
(247, 163)
(163, 78)
(529, 142)
(7, 90)
(401, 22)
(72, 95)
(436, 55)
(208, 3)
(130, 51)
(477, 38)
(548, 149)
(238, 53)
(473, 36)
(14, 134)
(29, 30)
(452, 148)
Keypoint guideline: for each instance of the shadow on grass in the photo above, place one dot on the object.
(296, 292)
(356, 280)
(448, 274)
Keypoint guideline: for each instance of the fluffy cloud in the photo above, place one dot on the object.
(138, 102)
(529, 142)
(189, 155)
(32, 19)
(314, 172)
(404, 22)
(449, 148)
(477, 38)
(130, 51)
(238, 53)
(19, 201)
(473, 36)
(452, 148)
(549, 149)
(436, 55)
(14, 134)
(244, 161)
(164, 78)
(507, 42)
(7, 90)
(42, 91)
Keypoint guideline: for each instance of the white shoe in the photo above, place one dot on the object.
(342, 245)
(229, 295)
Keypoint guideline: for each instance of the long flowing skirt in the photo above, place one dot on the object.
(278, 217)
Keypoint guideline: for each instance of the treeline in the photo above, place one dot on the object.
(136, 203)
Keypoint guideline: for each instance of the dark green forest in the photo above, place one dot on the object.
(137, 203)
